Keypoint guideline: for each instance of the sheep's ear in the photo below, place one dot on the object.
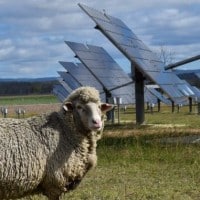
(68, 106)
(105, 107)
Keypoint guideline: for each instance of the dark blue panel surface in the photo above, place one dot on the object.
(149, 97)
(159, 95)
(73, 84)
(126, 93)
(82, 75)
(197, 93)
(60, 92)
(65, 85)
(101, 65)
(105, 70)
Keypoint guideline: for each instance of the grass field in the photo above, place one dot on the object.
(134, 165)
(129, 168)
(29, 99)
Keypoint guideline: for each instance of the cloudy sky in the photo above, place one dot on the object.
(32, 32)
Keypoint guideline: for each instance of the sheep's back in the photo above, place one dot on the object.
(21, 163)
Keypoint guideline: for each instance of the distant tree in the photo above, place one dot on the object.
(166, 56)
(25, 88)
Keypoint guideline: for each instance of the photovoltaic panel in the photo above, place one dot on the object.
(65, 85)
(149, 97)
(82, 74)
(101, 65)
(66, 82)
(60, 92)
(69, 80)
(105, 70)
(159, 95)
(138, 53)
(123, 92)
(188, 89)
(197, 93)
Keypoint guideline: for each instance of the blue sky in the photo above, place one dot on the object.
(32, 32)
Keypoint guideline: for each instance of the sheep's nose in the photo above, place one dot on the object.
(96, 121)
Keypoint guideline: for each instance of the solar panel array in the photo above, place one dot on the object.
(77, 75)
(138, 53)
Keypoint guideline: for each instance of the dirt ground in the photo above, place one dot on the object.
(33, 109)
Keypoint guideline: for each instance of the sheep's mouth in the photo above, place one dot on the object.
(96, 127)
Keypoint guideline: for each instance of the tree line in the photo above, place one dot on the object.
(26, 88)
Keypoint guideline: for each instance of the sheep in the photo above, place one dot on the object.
(51, 153)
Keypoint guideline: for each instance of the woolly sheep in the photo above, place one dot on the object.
(50, 154)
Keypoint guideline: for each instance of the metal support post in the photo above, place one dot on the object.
(139, 96)
(198, 106)
(159, 105)
(110, 114)
(190, 104)
(173, 106)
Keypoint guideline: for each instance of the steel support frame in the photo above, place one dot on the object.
(139, 95)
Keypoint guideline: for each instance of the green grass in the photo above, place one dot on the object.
(165, 116)
(29, 99)
(129, 169)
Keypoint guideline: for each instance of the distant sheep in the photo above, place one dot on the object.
(50, 154)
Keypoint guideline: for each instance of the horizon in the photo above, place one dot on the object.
(57, 77)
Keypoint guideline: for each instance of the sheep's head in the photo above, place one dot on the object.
(86, 107)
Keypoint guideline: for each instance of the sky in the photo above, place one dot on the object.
(32, 32)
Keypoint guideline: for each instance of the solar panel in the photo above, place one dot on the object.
(159, 95)
(101, 65)
(187, 88)
(105, 70)
(72, 82)
(60, 92)
(69, 80)
(138, 53)
(197, 93)
(65, 85)
(82, 74)
(123, 93)
(149, 97)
